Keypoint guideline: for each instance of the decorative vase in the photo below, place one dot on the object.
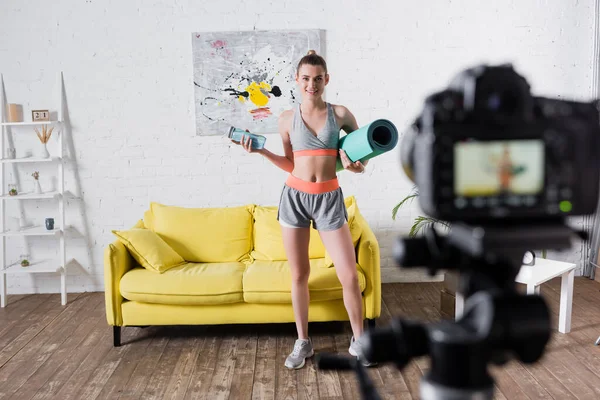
(43, 151)
(36, 187)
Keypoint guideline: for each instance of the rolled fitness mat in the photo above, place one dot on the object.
(376, 138)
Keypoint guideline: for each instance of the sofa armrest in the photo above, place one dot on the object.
(117, 261)
(369, 260)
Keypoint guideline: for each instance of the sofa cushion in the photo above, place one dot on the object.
(208, 235)
(268, 243)
(149, 250)
(187, 284)
(271, 282)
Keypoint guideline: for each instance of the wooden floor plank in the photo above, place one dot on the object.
(143, 370)
(286, 382)
(85, 321)
(92, 359)
(110, 387)
(76, 360)
(527, 383)
(51, 351)
(243, 377)
(204, 369)
(386, 377)
(51, 330)
(264, 368)
(23, 330)
(18, 309)
(161, 375)
(348, 382)
(328, 381)
(220, 385)
(567, 377)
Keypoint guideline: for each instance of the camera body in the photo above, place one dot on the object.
(486, 149)
(506, 168)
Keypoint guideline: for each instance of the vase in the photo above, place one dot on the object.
(37, 188)
(43, 151)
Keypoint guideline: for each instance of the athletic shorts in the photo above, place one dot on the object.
(321, 203)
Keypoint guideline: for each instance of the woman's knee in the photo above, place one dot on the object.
(300, 275)
(348, 278)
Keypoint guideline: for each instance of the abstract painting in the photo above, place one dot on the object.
(246, 79)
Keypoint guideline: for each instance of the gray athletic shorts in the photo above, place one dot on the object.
(320, 202)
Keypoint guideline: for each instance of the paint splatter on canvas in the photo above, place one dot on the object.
(246, 79)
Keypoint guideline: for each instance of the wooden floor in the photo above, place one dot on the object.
(52, 352)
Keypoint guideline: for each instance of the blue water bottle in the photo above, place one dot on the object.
(258, 141)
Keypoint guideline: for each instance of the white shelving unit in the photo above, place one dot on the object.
(55, 266)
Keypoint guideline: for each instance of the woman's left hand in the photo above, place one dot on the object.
(356, 167)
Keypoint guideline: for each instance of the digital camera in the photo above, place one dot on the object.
(486, 149)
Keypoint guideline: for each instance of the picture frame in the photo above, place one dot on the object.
(40, 115)
(246, 79)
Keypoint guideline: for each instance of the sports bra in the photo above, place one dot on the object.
(305, 143)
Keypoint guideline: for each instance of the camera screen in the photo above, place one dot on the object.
(493, 168)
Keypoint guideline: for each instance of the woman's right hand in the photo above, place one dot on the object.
(246, 143)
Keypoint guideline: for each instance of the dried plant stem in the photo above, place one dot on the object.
(45, 135)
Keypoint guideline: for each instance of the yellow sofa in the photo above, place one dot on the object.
(234, 271)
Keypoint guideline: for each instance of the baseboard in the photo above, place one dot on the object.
(397, 275)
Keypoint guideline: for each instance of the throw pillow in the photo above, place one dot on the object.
(149, 249)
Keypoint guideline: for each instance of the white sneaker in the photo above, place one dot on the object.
(356, 350)
(303, 349)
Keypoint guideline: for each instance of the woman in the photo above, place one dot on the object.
(310, 135)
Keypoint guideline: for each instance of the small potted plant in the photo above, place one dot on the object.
(37, 187)
(12, 190)
(24, 262)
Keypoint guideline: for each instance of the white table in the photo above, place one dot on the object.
(533, 276)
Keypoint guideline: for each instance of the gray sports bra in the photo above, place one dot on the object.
(305, 143)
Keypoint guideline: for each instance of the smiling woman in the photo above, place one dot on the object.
(312, 197)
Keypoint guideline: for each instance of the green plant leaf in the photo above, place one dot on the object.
(414, 192)
(421, 222)
(404, 200)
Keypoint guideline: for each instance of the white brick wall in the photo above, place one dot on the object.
(127, 69)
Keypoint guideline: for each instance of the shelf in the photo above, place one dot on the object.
(31, 196)
(55, 262)
(29, 160)
(32, 231)
(36, 123)
(35, 267)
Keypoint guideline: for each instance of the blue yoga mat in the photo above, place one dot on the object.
(376, 138)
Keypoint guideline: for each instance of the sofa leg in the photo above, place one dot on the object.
(116, 336)
(371, 323)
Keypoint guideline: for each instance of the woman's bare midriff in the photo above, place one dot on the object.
(315, 168)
